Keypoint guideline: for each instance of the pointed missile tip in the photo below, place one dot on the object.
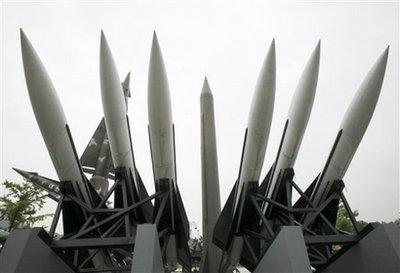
(386, 52)
(318, 47)
(21, 172)
(206, 86)
(155, 39)
(23, 37)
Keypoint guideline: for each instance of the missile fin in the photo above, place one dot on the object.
(91, 154)
(224, 229)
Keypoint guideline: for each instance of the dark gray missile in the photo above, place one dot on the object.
(211, 255)
(49, 185)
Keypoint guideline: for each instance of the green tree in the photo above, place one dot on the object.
(343, 221)
(20, 205)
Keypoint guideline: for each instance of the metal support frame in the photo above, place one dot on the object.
(110, 230)
(320, 233)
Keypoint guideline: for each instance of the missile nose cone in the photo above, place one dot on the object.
(159, 101)
(21, 172)
(261, 110)
(362, 107)
(206, 90)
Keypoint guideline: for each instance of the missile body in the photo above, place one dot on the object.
(55, 132)
(162, 146)
(211, 255)
(114, 107)
(160, 117)
(297, 119)
(254, 148)
(160, 128)
(51, 120)
(258, 127)
(352, 129)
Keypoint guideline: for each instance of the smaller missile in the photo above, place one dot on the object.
(297, 119)
(352, 129)
(51, 120)
(114, 107)
(211, 255)
(44, 183)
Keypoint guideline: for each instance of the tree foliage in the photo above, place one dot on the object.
(343, 221)
(20, 205)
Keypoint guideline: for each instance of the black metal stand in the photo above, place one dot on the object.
(112, 230)
(321, 236)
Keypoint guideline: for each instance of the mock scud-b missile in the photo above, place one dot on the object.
(118, 132)
(296, 121)
(211, 255)
(52, 122)
(352, 129)
(162, 146)
(226, 233)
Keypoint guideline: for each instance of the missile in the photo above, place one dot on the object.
(352, 129)
(296, 121)
(51, 120)
(49, 185)
(162, 146)
(96, 159)
(116, 119)
(160, 117)
(227, 233)
(258, 127)
(211, 255)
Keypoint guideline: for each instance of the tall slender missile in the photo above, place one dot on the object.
(352, 129)
(297, 119)
(227, 233)
(160, 116)
(51, 120)
(162, 146)
(211, 255)
(114, 107)
(258, 127)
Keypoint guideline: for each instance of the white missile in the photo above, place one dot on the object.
(254, 148)
(297, 119)
(211, 255)
(161, 130)
(258, 127)
(162, 146)
(160, 116)
(352, 129)
(51, 120)
(114, 107)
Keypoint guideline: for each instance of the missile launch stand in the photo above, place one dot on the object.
(293, 237)
(115, 232)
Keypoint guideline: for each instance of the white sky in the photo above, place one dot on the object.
(227, 42)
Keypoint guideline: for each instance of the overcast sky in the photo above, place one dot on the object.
(226, 42)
